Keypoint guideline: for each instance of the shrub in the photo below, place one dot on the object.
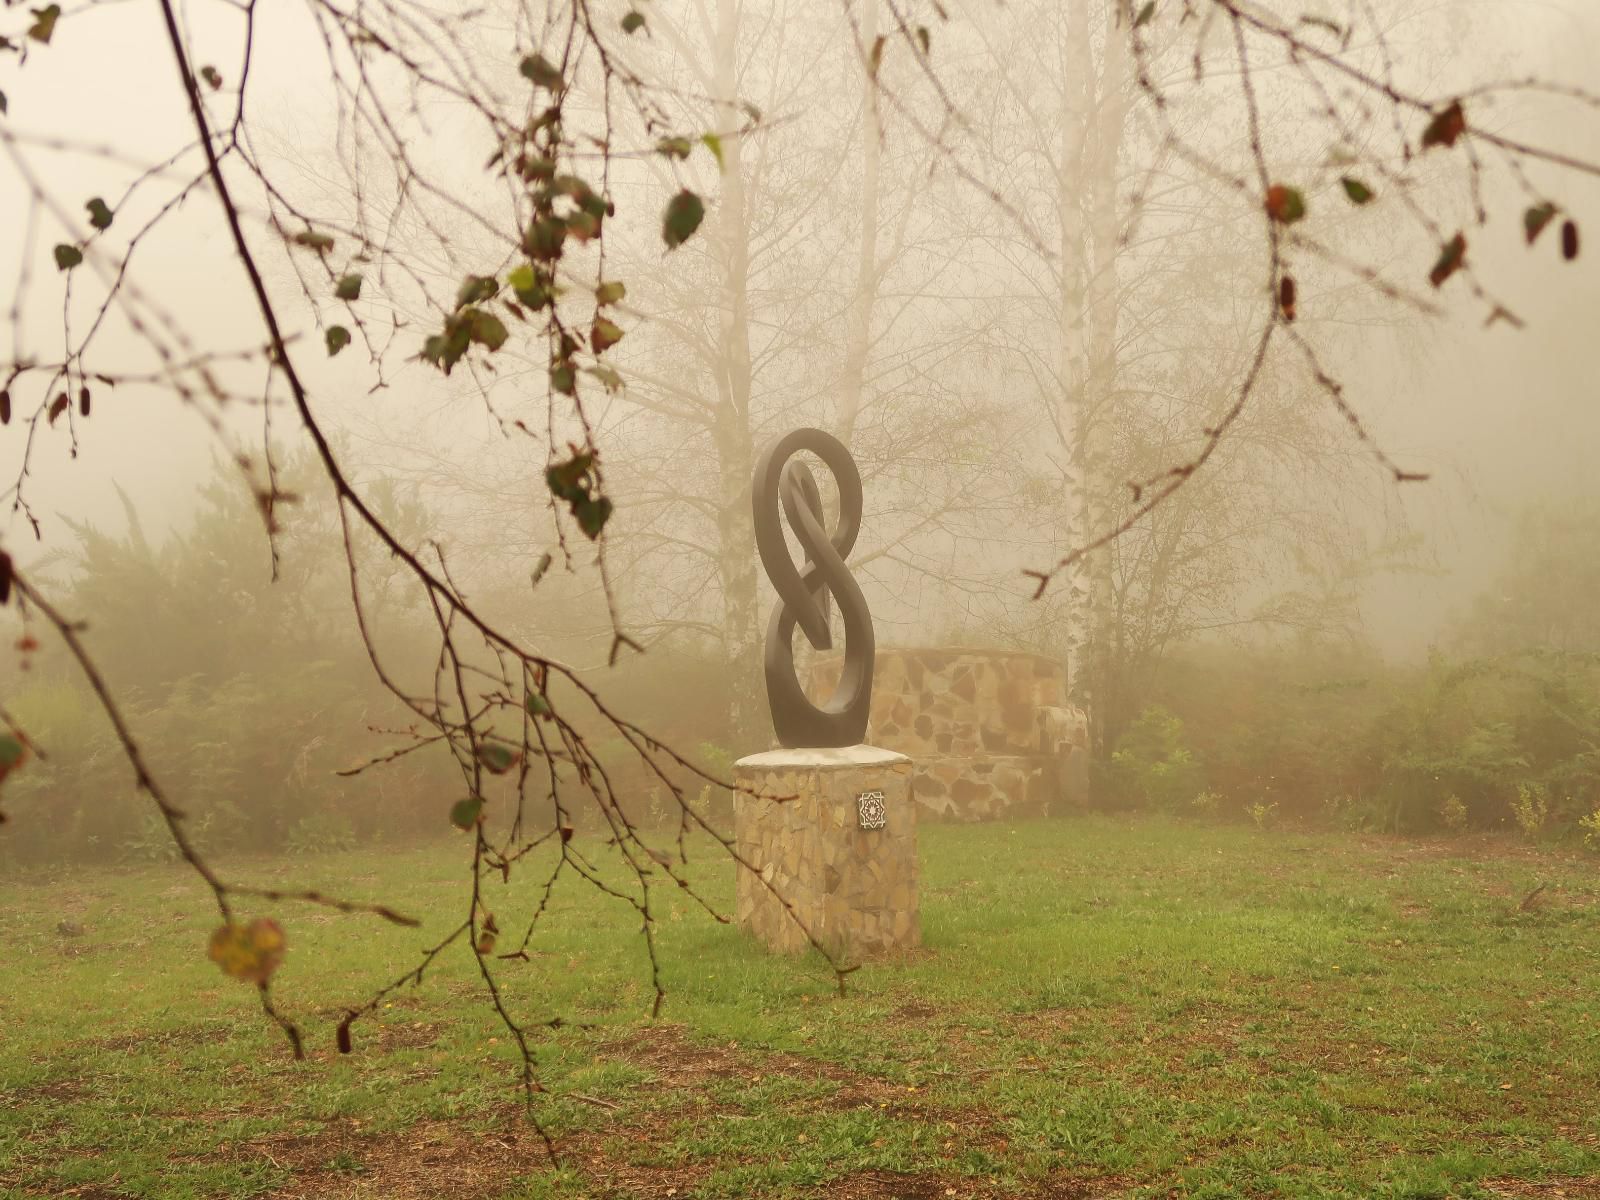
(1531, 808)
(1591, 829)
(1151, 766)
(1261, 813)
(321, 833)
(1206, 804)
(1453, 813)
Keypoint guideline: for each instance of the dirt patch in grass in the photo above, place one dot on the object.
(891, 1185)
(388, 1036)
(1546, 1189)
(1375, 853)
(187, 1035)
(431, 1159)
(676, 1060)
(609, 1173)
(63, 1089)
(341, 1161)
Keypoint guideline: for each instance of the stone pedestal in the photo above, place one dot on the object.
(854, 886)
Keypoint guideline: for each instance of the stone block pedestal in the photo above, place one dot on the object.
(853, 885)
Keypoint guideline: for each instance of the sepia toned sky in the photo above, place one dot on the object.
(1500, 417)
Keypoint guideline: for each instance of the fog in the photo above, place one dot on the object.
(912, 267)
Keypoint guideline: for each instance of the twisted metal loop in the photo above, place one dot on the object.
(803, 592)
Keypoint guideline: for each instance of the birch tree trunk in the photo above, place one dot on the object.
(1094, 111)
(858, 332)
(731, 431)
(1072, 419)
(1108, 119)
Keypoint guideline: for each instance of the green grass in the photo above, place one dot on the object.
(1101, 1008)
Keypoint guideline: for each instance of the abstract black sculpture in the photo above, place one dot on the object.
(803, 593)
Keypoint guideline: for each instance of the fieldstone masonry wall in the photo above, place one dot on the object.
(989, 730)
(855, 888)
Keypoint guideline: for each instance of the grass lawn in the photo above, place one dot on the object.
(1102, 1008)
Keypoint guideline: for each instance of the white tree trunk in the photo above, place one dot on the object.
(858, 331)
(736, 553)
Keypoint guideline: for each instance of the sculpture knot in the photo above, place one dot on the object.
(783, 487)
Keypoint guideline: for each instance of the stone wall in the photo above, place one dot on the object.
(855, 888)
(989, 731)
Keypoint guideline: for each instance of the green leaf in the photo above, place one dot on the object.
(464, 814)
(539, 70)
(1145, 13)
(1358, 192)
(1536, 218)
(538, 706)
(476, 288)
(67, 257)
(445, 349)
(570, 479)
(633, 21)
(312, 240)
(608, 377)
(487, 330)
(603, 335)
(713, 143)
(684, 213)
(674, 147)
(610, 292)
(496, 758)
(99, 214)
(536, 169)
(44, 23)
(532, 288)
(592, 515)
(544, 238)
(12, 751)
(348, 288)
(337, 337)
(563, 379)
(1331, 26)
(583, 226)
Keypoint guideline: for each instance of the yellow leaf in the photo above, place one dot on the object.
(250, 952)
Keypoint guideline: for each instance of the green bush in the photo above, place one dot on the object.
(1454, 744)
(1152, 767)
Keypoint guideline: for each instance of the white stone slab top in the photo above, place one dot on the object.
(821, 758)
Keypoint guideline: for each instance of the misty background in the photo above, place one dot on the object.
(844, 279)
